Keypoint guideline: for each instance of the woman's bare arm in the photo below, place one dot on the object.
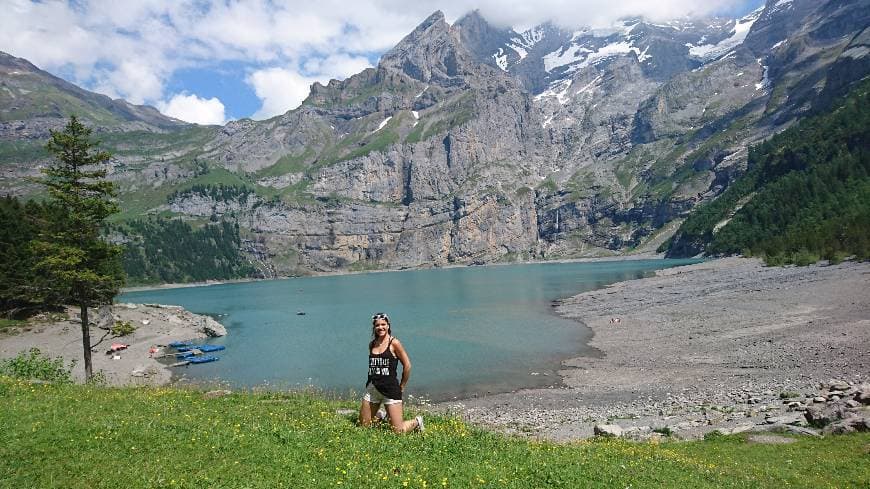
(402, 355)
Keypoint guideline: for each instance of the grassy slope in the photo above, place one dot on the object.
(137, 204)
(73, 436)
(185, 140)
(43, 98)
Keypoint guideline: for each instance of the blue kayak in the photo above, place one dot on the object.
(202, 359)
(202, 348)
(177, 344)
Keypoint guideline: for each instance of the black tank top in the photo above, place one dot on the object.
(383, 372)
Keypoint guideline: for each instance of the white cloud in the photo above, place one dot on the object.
(48, 34)
(279, 89)
(594, 13)
(282, 89)
(192, 108)
(134, 81)
(339, 66)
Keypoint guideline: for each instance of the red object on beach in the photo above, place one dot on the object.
(118, 347)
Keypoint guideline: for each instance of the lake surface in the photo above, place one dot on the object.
(468, 330)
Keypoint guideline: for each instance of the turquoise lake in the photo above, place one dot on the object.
(468, 330)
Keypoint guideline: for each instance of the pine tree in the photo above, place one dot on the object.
(74, 264)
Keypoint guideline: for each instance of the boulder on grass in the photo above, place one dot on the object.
(608, 430)
(848, 425)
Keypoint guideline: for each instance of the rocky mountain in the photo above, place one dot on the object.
(33, 101)
(470, 143)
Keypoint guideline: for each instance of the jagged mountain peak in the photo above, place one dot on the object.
(429, 53)
(435, 53)
(474, 25)
(473, 16)
(436, 18)
(483, 39)
(432, 28)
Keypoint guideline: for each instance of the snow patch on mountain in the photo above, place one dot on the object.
(764, 84)
(709, 52)
(580, 57)
(382, 124)
(622, 28)
(501, 59)
(664, 26)
(856, 52)
(523, 42)
(641, 55)
(558, 90)
(520, 51)
(591, 85)
(562, 57)
(532, 36)
(782, 4)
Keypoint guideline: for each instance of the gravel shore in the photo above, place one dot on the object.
(722, 345)
(155, 325)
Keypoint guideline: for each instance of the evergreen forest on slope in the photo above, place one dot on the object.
(805, 194)
(156, 250)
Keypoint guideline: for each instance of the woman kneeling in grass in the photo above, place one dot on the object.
(383, 386)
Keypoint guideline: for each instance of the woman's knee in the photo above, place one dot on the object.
(397, 423)
(365, 414)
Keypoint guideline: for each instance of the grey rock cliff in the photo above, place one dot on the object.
(470, 143)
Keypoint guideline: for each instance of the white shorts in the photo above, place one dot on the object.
(374, 396)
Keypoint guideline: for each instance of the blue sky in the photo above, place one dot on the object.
(211, 61)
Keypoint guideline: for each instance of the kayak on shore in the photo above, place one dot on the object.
(202, 348)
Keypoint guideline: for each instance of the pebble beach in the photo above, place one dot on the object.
(155, 326)
(727, 345)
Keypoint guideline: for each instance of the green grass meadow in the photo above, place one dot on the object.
(74, 436)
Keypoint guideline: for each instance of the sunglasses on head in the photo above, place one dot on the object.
(380, 315)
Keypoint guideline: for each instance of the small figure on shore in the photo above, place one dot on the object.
(383, 386)
(614, 320)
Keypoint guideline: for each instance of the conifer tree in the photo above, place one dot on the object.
(74, 264)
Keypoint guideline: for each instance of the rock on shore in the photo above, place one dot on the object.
(155, 325)
(727, 345)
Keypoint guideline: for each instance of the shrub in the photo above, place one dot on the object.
(777, 260)
(805, 257)
(123, 328)
(99, 379)
(33, 364)
(837, 257)
(714, 435)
